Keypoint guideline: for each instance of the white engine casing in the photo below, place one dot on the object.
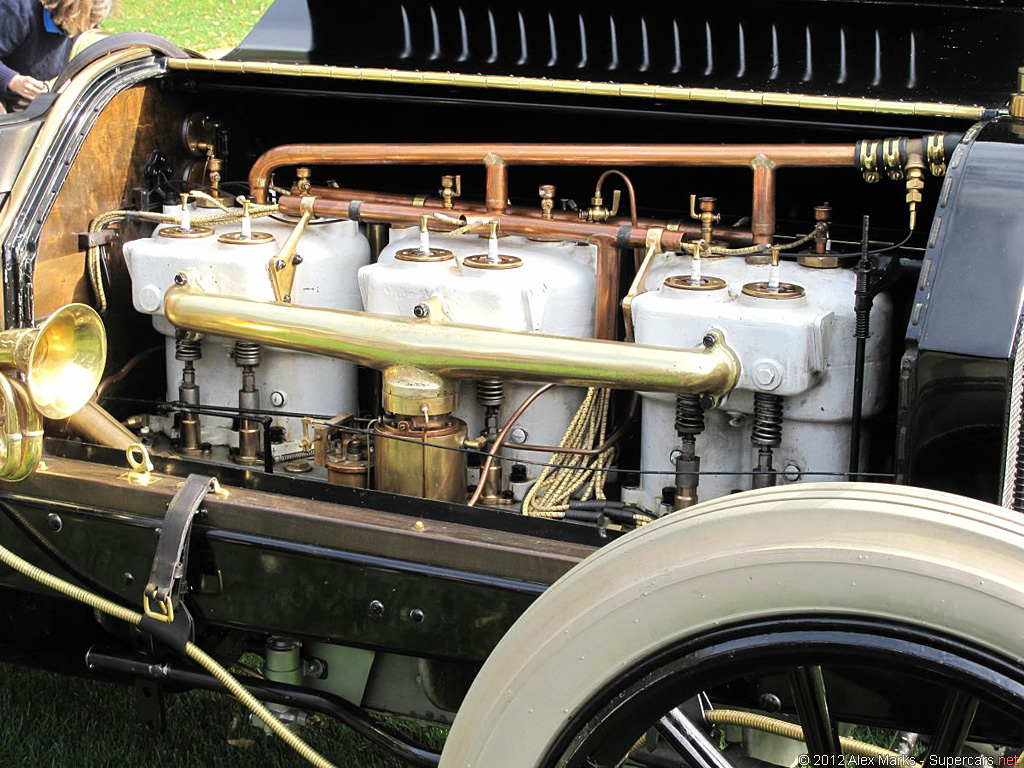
(553, 292)
(331, 253)
(801, 349)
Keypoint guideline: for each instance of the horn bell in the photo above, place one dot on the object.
(63, 359)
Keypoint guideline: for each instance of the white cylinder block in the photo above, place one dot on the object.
(552, 291)
(801, 349)
(331, 252)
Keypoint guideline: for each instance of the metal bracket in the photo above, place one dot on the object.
(167, 577)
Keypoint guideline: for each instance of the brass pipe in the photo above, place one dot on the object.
(689, 231)
(96, 425)
(607, 301)
(762, 218)
(457, 351)
(497, 156)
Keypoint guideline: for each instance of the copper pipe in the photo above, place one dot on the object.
(739, 237)
(607, 302)
(762, 219)
(568, 229)
(629, 190)
(497, 183)
(501, 439)
(736, 155)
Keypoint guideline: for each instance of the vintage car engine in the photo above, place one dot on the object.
(787, 313)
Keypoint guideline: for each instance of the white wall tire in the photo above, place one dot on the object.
(934, 560)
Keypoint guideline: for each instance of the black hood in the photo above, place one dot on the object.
(961, 53)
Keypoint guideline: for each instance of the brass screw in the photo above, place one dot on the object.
(418, 526)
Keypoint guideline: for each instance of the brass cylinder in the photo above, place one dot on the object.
(351, 473)
(428, 463)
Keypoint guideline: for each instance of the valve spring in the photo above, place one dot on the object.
(1018, 486)
(767, 429)
(248, 353)
(689, 415)
(186, 349)
(490, 393)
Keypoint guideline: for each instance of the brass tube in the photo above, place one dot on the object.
(689, 231)
(762, 218)
(669, 155)
(94, 424)
(457, 351)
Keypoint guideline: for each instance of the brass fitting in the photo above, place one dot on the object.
(547, 201)
(1017, 100)
(451, 187)
(820, 259)
(707, 215)
(597, 212)
(303, 175)
(914, 171)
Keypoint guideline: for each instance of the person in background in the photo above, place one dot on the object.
(35, 43)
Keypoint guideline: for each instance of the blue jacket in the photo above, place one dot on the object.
(30, 43)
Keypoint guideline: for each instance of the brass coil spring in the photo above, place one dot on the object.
(186, 349)
(248, 353)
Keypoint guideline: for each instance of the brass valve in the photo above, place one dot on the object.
(451, 187)
(547, 201)
(597, 211)
(707, 215)
(303, 175)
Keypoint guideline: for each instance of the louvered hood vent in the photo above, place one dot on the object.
(954, 52)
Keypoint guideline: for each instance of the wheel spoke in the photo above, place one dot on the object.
(954, 724)
(690, 742)
(820, 734)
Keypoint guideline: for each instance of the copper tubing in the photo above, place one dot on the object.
(739, 237)
(629, 189)
(499, 156)
(569, 229)
(762, 218)
(500, 439)
(497, 183)
(606, 304)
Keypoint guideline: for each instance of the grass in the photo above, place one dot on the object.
(51, 721)
(202, 25)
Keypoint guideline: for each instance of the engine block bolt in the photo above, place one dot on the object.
(791, 473)
(278, 398)
(768, 375)
(709, 340)
(518, 435)
(421, 311)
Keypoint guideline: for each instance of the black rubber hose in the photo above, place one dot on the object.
(267, 691)
(37, 538)
(863, 299)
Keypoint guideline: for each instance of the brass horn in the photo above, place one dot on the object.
(62, 359)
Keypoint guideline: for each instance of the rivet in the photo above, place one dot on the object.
(54, 522)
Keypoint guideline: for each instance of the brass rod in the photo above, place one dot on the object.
(96, 425)
(591, 88)
(457, 351)
(497, 157)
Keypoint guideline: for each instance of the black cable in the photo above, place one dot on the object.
(892, 247)
(37, 538)
(312, 222)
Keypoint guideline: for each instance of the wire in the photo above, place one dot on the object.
(193, 651)
(888, 248)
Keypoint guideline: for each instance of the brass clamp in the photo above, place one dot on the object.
(935, 153)
(166, 616)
